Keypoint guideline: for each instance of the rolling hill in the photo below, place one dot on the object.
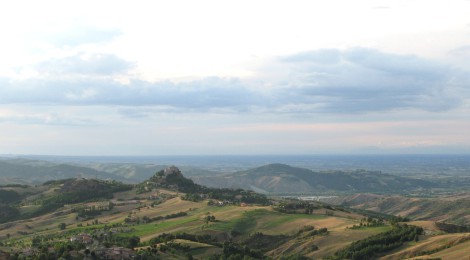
(453, 208)
(281, 178)
(34, 172)
(29, 171)
(156, 219)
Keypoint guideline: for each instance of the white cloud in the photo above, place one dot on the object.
(88, 65)
(354, 80)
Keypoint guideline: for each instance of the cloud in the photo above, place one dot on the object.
(81, 35)
(200, 95)
(41, 118)
(365, 80)
(324, 56)
(90, 65)
(322, 81)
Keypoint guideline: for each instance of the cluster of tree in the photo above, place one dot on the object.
(305, 229)
(88, 212)
(9, 196)
(13, 185)
(311, 231)
(297, 206)
(209, 218)
(369, 222)
(295, 257)
(452, 228)
(169, 216)
(375, 245)
(57, 250)
(149, 253)
(165, 238)
(192, 197)
(170, 248)
(75, 191)
(57, 182)
(8, 213)
(172, 179)
(235, 251)
(175, 246)
(231, 195)
(264, 242)
(379, 215)
(231, 250)
(100, 234)
(318, 232)
(43, 248)
(115, 240)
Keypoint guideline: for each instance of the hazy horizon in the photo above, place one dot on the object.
(398, 164)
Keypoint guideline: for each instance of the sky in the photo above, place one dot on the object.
(234, 77)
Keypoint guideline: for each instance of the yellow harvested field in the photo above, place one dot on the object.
(460, 251)
(437, 244)
(332, 223)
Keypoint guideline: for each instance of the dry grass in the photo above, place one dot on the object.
(454, 243)
(327, 245)
(428, 226)
(461, 251)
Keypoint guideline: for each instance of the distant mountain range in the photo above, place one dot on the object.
(271, 178)
(31, 171)
(281, 178)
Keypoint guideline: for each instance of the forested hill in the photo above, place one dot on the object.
(281, 178)
(23, 202)
(172, 178)
(35, 172)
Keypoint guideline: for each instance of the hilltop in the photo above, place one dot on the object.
(172, 178)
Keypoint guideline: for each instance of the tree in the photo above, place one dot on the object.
(133, 241)
(62, 226)
(209, 219)
(35, 242)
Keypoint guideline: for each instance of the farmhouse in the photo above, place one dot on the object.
(82, 238)
(115, 253)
